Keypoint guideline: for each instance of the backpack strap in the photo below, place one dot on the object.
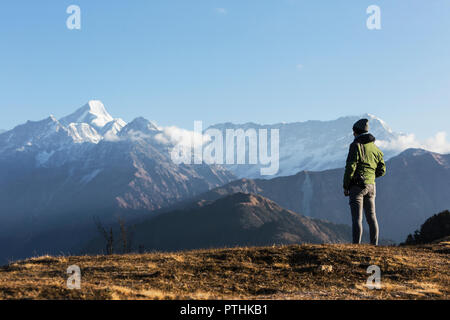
(360, 179)
(361, 151)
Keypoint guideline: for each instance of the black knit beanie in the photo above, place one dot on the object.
(361, 126)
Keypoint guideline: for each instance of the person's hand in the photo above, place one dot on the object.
(346, 192)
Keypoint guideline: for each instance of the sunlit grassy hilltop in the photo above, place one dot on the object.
(281, 272)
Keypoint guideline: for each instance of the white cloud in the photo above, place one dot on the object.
(221, 10)
(111, 137)
(174, 135)
(182, 142)
(400, 143)
(438, 143)
(299, 67)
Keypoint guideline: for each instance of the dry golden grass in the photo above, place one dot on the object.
(282, 272)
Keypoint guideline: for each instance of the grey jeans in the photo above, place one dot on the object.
(363, 198)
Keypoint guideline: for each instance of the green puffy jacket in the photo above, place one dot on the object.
(369, 168)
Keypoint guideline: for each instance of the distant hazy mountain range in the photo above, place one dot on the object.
(312, 145)
(88, 160)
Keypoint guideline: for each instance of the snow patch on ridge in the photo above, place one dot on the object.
(43, 157)
(83, 132)
(89, 177)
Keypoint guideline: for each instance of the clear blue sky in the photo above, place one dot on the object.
(176, 61)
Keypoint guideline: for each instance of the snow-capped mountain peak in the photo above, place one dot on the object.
(92, 113)
(61, 139)
(140, 124)
(92, 123)
(371, 117)
(309, 145)
(44, 134)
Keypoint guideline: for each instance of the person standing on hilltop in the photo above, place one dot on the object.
(364, 163)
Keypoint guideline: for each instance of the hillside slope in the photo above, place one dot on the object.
(284, 272)
(235, 220)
